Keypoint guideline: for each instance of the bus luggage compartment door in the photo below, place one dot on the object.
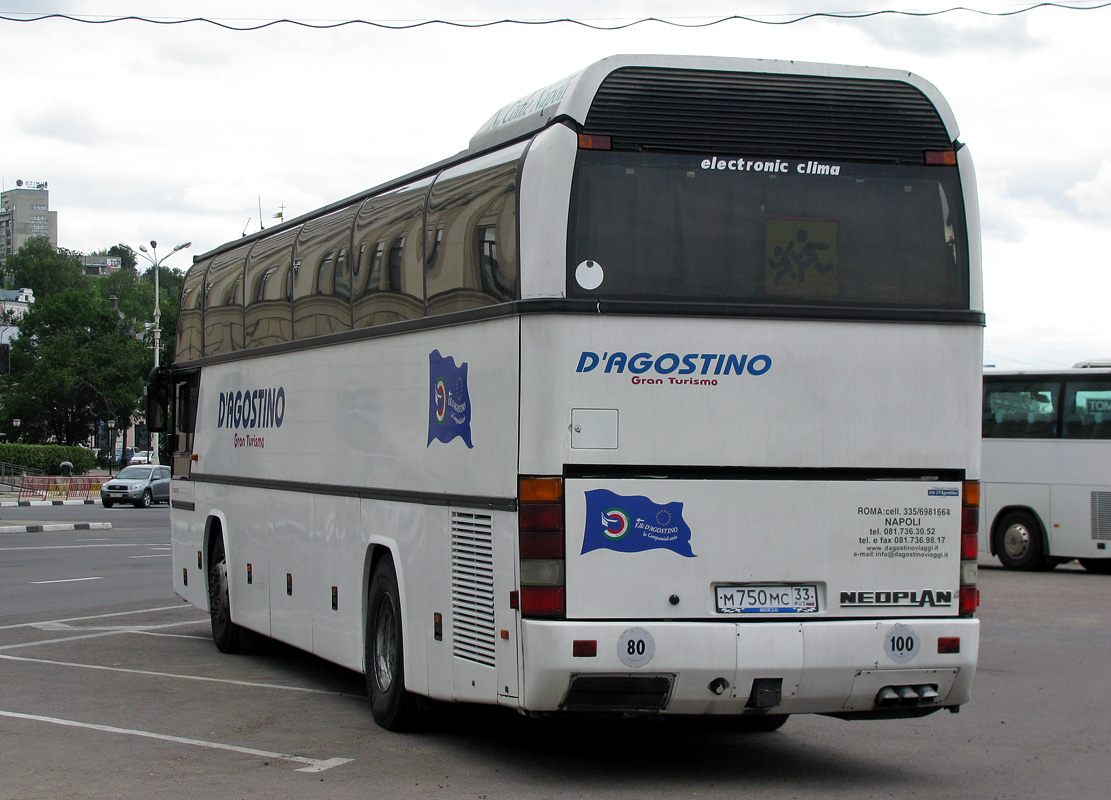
(761, 550)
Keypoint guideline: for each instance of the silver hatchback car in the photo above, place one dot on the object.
(139, 485)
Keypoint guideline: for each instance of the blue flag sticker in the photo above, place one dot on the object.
(449, 402)
(633, 524)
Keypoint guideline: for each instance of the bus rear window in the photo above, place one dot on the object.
(775, 231)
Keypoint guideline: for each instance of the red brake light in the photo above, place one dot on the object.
(542, 601)
(540, 517)
(970, 546)
(969, 600)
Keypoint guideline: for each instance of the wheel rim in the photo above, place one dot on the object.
(385, 645)
(218, 592)
(1016, 541)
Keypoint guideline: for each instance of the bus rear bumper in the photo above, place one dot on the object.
(849, 667)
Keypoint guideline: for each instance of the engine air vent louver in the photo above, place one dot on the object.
(755, 114)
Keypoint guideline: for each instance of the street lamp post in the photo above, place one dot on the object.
(156, 262)
(111, 445)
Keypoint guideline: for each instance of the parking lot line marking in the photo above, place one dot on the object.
(66, 580)
(311, 764)
(97, 635)
(154, 555)
(178, 607)
(153, 674)
(74, 546)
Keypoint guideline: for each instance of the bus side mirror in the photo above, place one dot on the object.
(158, 402)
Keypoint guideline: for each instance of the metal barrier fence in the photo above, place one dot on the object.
(56, 488)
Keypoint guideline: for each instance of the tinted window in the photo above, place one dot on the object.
(1088, 410)
(321, 283)
(388, 284)
(223, 303)
(471, 234)
(1021, 409)
(269, 311)
(777, 232)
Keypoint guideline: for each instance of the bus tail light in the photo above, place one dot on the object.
(941, 158)
(970, 528)
(595, 142)
(541, 547)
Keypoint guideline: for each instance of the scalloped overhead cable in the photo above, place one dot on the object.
(396, 26)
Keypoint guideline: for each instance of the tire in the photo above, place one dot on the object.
(145, 501)
(107, 503)
(1098, 566)
(226, 634)
(1019, 544)
(392, 706)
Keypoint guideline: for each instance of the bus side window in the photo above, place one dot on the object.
(268, 316)
(389, 287)
(321, 287)
(190, 319)
(1020, 410)
(472, 217)
(1089, 410)
(223, 303)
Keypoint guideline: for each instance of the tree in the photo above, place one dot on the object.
(44, 270)
(75, 362)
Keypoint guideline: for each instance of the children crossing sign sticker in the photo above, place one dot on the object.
(800, 257)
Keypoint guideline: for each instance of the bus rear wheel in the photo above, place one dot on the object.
(391, 705)
(226, 634)
(1019, 543)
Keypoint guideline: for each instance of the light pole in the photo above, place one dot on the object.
(111, 445)
(155, 263)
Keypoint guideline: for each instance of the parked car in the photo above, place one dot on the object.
(139, 485)
(142, 457)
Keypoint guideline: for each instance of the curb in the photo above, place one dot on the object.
(22, 503)
(70, 526)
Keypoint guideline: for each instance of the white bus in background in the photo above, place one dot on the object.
(607, 414)
(1046, 490)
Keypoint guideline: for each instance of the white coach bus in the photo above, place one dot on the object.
(659, 399)
(1046, 495)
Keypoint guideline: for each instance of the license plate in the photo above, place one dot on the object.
(767, 598)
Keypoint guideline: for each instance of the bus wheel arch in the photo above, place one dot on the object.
(391, 704)
(1018, 540)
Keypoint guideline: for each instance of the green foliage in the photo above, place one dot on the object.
(48, 458)
(77, 361)
(44, 270)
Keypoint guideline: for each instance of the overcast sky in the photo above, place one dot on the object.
(181, 132)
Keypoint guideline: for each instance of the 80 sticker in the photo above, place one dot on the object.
(635, 647)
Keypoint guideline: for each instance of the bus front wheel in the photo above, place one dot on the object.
(391, 705)
(1019, 543)
(226, 634)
